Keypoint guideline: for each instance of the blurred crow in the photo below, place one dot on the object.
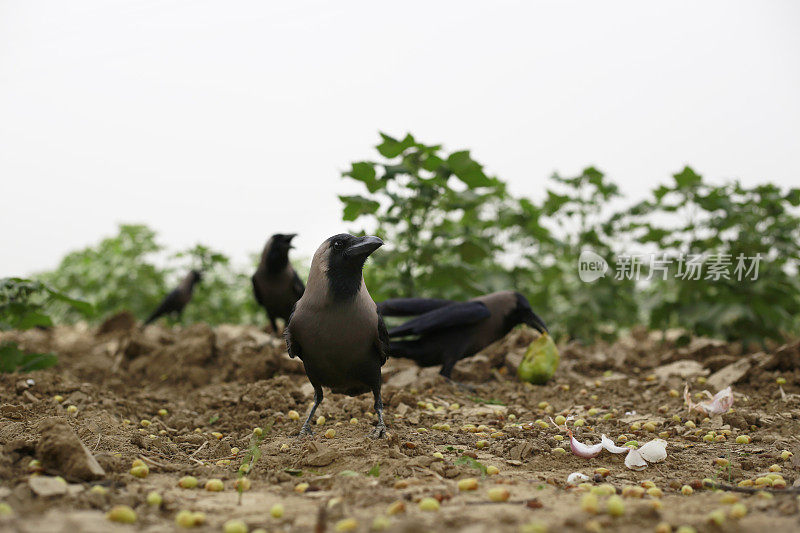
(276, 285)
(445, 331)
(177, 299)
(335, 328)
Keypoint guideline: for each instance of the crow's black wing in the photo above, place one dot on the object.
(382, 342)
(170, 304)
(297, 285)
(411, 306)
(457, 314)
(256, 292)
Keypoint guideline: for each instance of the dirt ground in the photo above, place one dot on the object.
(218, 384)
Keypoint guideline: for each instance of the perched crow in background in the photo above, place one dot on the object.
(335, 328)
(445, 331)
(276, 285)
(177, 299)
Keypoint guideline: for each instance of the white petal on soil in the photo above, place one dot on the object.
(654, 451)
(634, 460)
(576, 477)
(609, 445)
(719, 404)
(584, 450)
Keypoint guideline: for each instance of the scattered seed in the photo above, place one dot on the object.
(396, 507)
(276, 511)
(330, 433)
(663, 527)
(429, 504)
(154, 499)
(492, 470)
(615, 506)
(242, 484)
(590, 504)
(187, 482)
(738, 510)
(346, 524)
(141, 471)
(235, 526)
(686, 490)
(469, 483)
(743, 439)
(215, 485)
(122, 514)
(185, 518)
(716, 517)
(498, 494)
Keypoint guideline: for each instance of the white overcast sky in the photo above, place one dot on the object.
(222, 122)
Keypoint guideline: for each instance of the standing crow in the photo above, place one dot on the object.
(335, 328)
(177, 299)
(445, 331)
(276, 285)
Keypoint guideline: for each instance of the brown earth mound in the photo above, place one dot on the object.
(185, 402)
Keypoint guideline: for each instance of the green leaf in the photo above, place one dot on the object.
(37, 361)
(356, 206)
(391, 147)
(687, 178)
(468, 170)
(10, 357)
(472, 463)
(365, 173)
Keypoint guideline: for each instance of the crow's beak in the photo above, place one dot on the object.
(536, 323)
(289, 239)
(363, 247)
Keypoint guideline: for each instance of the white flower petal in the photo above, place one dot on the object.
(576, 477)
(584, 450)
(634, 460)
(609, 445)
(654, 451)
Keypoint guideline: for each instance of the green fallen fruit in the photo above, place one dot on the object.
(540, 361)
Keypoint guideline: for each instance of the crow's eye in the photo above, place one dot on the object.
(338, 245)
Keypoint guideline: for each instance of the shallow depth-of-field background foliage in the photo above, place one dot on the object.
(453, 231)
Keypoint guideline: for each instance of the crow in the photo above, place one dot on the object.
(177, 299)
(445, 331)
(335, 328)
(276, 285)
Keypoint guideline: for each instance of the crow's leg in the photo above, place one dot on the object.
(447, 370)
(306, 428)
(274, 324)
(380, 429)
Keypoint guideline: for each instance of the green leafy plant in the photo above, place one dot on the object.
(120, 273)
(24, 304)
(722, 224)
(472, 463)
(443, 218)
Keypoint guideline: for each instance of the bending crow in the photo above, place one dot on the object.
(444, 331)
